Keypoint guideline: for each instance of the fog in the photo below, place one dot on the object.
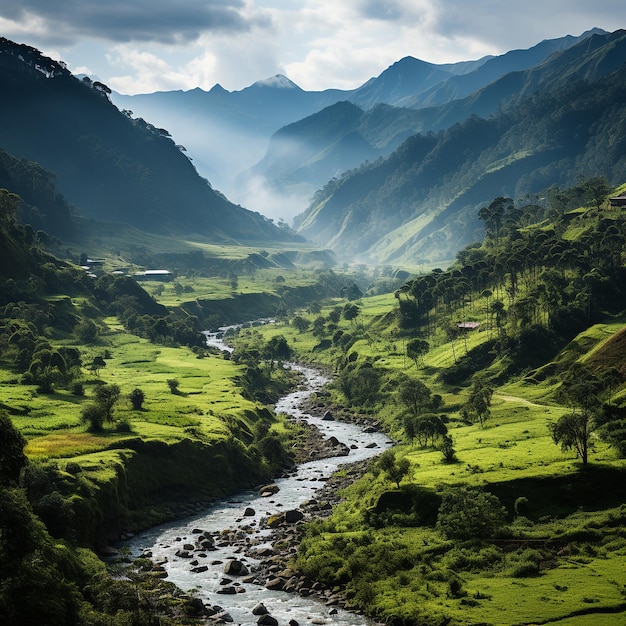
(225, 154)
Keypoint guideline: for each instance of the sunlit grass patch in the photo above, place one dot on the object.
(67, 444)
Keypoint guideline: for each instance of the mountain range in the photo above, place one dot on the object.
(227, 133)
(392, 172)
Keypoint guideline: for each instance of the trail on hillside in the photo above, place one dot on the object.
(508, 398)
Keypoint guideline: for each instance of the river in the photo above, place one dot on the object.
(242, 514)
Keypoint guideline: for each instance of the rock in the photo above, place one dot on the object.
(222, 616)
(249, 512)
(236, 568)
(293, 516)
(292, 622)
(229, 590)
(372, 445)
(108, 551)
(267, 620)
(182, 554)
(275, 583)
(260, 609)
(328, 417)
(199, 569)
(269, 489)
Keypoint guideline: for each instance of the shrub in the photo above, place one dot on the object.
(470, 513)
(137, 398)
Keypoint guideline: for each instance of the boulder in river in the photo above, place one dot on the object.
(260, 609)
(236, 568)
(293, 516)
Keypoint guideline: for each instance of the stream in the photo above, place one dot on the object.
(175, 545)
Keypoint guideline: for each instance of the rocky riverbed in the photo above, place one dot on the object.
(239, 553)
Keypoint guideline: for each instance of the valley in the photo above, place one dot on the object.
(463, 292)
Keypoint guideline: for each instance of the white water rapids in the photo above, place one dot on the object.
(164, 541)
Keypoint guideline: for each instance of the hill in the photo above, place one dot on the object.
(418, 204)
(107, 164)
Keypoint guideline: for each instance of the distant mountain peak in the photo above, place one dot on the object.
(277, 81)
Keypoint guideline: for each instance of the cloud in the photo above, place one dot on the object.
(165, 21)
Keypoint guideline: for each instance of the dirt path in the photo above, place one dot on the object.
(520, 400)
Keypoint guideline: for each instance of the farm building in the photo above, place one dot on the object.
(157, 275)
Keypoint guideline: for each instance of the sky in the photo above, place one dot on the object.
(141, 46)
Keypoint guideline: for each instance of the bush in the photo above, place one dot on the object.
(470, 513)
(93, 416)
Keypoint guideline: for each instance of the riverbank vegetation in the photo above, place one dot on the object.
(502, 379)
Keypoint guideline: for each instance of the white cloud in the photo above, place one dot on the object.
(146, 45)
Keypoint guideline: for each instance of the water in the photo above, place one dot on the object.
(163, 542)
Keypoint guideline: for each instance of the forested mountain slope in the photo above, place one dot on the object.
(303, 156)
(108, 165)
(420, 203)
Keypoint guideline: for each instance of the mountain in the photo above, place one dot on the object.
(227, 133)
(564, 118)
(108, 165)
(460, 86)
(304, 155)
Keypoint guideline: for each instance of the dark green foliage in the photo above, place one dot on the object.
(394, 468)
(173, 384)
(137, 398)
(93, 415)
(12, 457)
(106, 398)
(470, 514)
(411, 505)
(477, 408)
(360, 385)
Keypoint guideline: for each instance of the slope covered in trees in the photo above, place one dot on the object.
(501, 378)
(107, 164)
(420, 203)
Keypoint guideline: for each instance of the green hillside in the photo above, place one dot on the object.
(107, 164)
(502, 379)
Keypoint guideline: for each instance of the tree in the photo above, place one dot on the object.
(97, 364)
(137, 398)
(12, 457)
(351, 291)
(469, 513)
(301, 324)
(572, 431)
(350, 312)
(581, 390)
(416, 349)
(173, 384)
(277, 349)
(478, 407)
(414, 395)
(394, 469)
(93, 416)
(9, 205)
(106, 397)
